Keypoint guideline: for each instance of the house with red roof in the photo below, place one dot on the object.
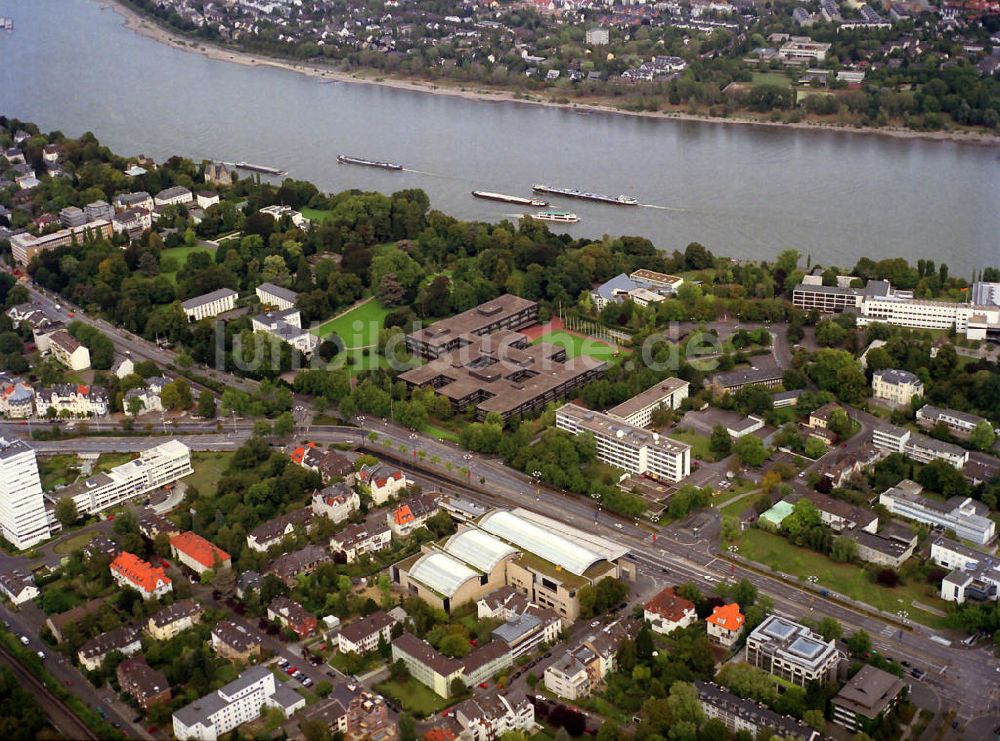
(383, 485)
(725, 624)
(128, 570)
(412, 514)
(668, 611)
(198, 554)
(328, 464)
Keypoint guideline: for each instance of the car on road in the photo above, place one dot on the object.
(24, 640)
(483, 685)
(547, 654)
(917, 672)
(595, 623)
(41, 655)
(618, 525)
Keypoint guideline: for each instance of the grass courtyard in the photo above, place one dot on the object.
(317, 215)
(358, 327)
(413, 697)
(700, 448)
(847, 579)
(208, 469)
(576, 346)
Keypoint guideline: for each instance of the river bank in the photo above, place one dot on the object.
(145, 26)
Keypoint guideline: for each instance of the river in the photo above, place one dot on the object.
(744, 191)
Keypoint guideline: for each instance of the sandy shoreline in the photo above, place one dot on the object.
(146, 27)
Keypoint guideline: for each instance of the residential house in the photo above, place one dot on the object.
(437, 671)
(122, 367)
(146, 685)
(412, 514)
(236, 642)
(582, 669)
(290, 566)
(59, 622)
(248, 581)
(176, 195)
(725, 624)
(124, 640)
(336, 502)
(18, 587)
(490, 716)
(206, 198)
(152, 524)
(198, 554)
(271, 533)
(383, 487)
(67, 350)
(327, 463)
(356, 540)
(75, 400)
(842, 516)
(101, 546)
(749, 717)
(292, 615)
(139, 200)
(174, 619)
(132, 221)
(667, 611)
(365, 633)
(17, 399)
(526, 632)
(128, 570)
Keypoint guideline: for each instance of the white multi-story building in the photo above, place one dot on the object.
(236, 703)
(985, 294)
(176, 195)
(488, 717)
(919, 447)
(966, 517)
(792, 652)
(383, 486)
(968, 319)
(626, 446)
(210, 304)
(23, 520)
(896, 386)
(337, 502)
(365, 633)
(356, 540)
(275, 297)
(974, 575)
(638, 411)
(76, 400)
(959, 423)
(286, 325)
(67, 350)
(132, 220)
(279, 212)
(156, 467)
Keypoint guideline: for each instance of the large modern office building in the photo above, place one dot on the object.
(966, 517)
(504, 312)
(627, 446)
(500, 372)
(23, 520)
(894, 439)
(638, 411)
(159, 466)
(792, 652)
(974, 575)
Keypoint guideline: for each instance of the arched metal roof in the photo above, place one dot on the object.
(442, 573)
(542, 542)
(479, 549)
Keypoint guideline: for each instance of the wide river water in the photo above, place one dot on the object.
(744, 191)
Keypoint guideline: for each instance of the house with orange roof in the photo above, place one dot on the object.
(328, 464)
(128, 570)
(668, 611)
(198, 554)
(412, 514)
(725, 624)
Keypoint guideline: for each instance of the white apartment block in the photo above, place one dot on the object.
(896, 386)
(286, 325)
(156, 467)
(966, 517)
(974, 575)
(67, 350)
(968, 319)
(366, 633)
(985, 294)
(23, 521)
(792, 652)
(210, 304)
(921, 448)
(626, 446)
(488, 717)
(236, 703)
(176, 195)
(638, 411)
(959, 423)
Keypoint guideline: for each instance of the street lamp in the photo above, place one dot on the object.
(537, 476)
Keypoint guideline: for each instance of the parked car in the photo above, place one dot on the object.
(290, 670)
(307, 682)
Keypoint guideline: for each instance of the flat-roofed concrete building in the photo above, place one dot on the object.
(661, 282)
(625, 446)
(891, 546)
(826, 299)
(25, 246)
(445, 335)
(501, 372)
(792, 652)
(866, 698)
(638, 411)
(966, 517)
(769, 378)
(210, 304)
(921, 448)
(974, 575)
(23, 520)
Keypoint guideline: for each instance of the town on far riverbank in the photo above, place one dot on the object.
(837, 65)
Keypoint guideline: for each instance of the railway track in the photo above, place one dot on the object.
(65, 721)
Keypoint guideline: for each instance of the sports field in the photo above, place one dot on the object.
(358, 327)
(576, 345)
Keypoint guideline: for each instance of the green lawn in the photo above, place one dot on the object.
(317, 215)
(358, 327)
(69, 545)
(208, 468)
(849, 580)
(771, 78)
(576, 346)
(180, 254)
(58, 470)
(699, 443)
(440, 433)
(413, 697)
(107, 461)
